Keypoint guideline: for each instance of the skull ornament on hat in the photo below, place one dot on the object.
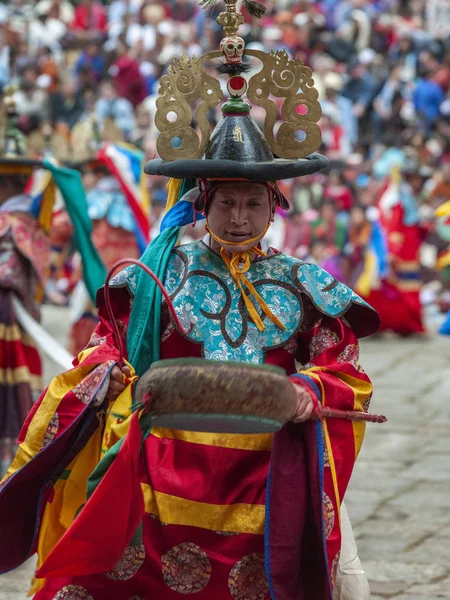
(233, 49)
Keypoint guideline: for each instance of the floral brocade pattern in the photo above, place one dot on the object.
(96, 340)
(334, 567)
(186, 568)
(324, 339)
(73, 592)
(351, 355)
(247, 579)
(51, 431)
(206, 297)
(328, 515)
(86, 389)
(129, 564)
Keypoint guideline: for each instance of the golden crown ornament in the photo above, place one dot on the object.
(284, 88)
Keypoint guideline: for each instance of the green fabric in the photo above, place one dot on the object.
(143, 337)
(72, 190)
(144, 327)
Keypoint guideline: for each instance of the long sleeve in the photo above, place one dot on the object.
(329, 355)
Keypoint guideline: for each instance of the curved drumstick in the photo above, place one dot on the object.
(109, 309)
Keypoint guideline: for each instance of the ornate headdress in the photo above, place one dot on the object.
(237, 149)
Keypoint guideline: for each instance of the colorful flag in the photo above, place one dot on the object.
(126, 164)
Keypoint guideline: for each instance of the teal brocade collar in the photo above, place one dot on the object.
(205, 294)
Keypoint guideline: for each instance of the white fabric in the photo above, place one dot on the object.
(351, 581)
(53, 349)
(79, 302)
(20, 203)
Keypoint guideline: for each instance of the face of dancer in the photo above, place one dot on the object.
(239, 211)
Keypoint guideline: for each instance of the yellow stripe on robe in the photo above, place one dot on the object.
(20, 375)
(56, 391)
(238, 518)
(10, 333)
(220, 440)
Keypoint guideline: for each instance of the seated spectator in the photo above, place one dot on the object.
(387, 104)
(120, 110)
(338, 192)
(427, 98)
(90, 20)
(335, 143)
(127, 77)
(61, 10)
(360, 88)
(91, 60)
(44, 31)
(66, 105)
(31, 101)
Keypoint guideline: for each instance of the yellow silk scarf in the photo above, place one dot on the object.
(238, 264)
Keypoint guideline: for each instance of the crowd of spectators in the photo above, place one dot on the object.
(382, 68)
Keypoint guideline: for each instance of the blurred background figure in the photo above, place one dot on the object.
(382, 70)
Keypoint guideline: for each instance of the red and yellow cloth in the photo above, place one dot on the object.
(176, 512)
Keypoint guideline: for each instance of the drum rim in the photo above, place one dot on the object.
(199, 362)
(278, 423)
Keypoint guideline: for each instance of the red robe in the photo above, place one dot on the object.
(246, 516)
(397, 301)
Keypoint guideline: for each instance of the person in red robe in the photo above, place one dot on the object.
(397, 300)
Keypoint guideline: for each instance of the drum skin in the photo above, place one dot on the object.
(195, 394)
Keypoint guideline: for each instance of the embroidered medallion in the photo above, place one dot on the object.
(247, 579)
(73, 592)
(131, 561)
(334, 567)
(328, 515)
(325, 338)
(351, 355)
(186, 568)
(89, 385)
(51, 431)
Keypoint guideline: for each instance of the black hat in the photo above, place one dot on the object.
(237, 148)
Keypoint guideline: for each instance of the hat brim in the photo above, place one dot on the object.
(274, 170)
(19, 166)
(88, 163)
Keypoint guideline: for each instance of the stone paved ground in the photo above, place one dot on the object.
(399, 495)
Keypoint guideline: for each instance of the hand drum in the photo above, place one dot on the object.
(194, 394)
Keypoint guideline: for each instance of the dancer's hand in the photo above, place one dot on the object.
(305, 404)
(116, 382)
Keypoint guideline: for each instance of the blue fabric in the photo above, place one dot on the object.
(207, 296)
(391, 158)
(135, 157)
(445, 327)
(112, 206)
(411, 213)
(179, 215)
(378, 245)
(427, 98)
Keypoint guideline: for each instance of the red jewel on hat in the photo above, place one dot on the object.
(237, 85)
